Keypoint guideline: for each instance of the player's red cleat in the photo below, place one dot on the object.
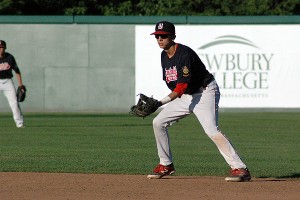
(161, 171)
(239, 175)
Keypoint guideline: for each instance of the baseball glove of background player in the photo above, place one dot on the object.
(21, 93)
(145, 106)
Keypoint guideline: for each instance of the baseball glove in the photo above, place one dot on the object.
(21, 93)
(145, 106)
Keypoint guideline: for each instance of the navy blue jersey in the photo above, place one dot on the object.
(185, 67)
(7, 64)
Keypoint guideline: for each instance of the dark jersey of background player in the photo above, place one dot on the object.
(7, 64)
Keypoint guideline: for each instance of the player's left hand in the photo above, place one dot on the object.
(145, 106)
(21, 93)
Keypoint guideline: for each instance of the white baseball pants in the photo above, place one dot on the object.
(204, 105)
(7, 86)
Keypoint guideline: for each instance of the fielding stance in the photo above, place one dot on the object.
(7, 64)
(194, 90)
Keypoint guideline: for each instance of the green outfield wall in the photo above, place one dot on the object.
(87, 63)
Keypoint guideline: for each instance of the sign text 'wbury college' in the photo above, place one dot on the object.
(238, 70)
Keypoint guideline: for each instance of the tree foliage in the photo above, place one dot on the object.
(150, 7)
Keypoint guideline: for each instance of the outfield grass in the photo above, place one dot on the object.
(123, 144)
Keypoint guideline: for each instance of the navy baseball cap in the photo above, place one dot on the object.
(2, 44)
(164, 28)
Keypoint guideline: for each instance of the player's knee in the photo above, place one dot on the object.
(218, 137)
(159, 125)
(13, 104)
(156, 123)
(213, 133)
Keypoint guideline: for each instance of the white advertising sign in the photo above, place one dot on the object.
(256, 66)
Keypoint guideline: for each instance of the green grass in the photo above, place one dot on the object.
(123, 144)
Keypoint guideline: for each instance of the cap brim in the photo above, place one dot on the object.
(161, 33)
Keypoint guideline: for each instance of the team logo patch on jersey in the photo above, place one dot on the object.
(186, 71)
(171, 74)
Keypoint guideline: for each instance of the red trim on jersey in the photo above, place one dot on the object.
(180, 88)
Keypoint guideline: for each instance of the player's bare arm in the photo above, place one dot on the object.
(19, 78)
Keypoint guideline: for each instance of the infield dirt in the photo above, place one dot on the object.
(62, 186)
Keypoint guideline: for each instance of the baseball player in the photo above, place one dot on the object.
(7, 64)
(193, 90)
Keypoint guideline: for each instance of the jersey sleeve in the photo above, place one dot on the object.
(180, 88)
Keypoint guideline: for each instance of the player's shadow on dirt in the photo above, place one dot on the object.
(294, 175)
